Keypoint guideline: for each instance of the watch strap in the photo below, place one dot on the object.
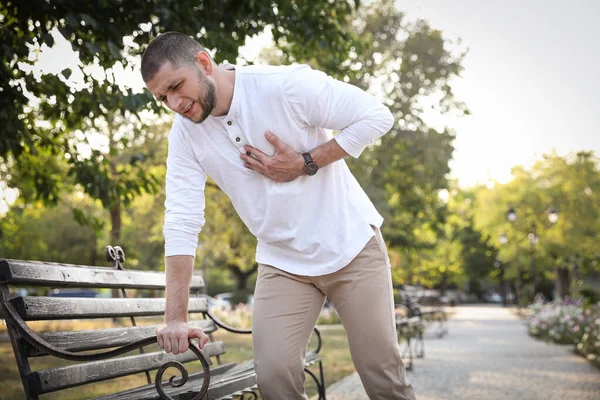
(307, 158)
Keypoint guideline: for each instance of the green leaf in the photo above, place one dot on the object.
(114, 50)
(66, 72)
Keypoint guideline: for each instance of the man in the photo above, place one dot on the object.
(262, 133)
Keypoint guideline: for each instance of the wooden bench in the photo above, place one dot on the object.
(410, 329)
(101, 353)
(434, 314)
(411, 321)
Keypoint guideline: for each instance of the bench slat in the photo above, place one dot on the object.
(148, 392)
(33, 308)
(106, 338)
(54, 379)
(407, 321)
(39, 273)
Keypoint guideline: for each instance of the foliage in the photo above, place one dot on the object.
(589, 345)
(34, 232)
(329, 316)
(226, 242)
(570, 185)
(568, 322)
(409, 65)
(239, 317)
(558, 322)
(300, 28)
(412, 64)
(589, 294)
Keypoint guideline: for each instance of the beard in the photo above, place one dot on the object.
(207, 104)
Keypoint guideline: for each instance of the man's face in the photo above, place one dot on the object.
(185, 90)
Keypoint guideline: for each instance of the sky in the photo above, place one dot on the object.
(531, 80)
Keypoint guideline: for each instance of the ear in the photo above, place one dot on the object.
(204, 62)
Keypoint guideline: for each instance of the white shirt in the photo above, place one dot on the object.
(313, 225)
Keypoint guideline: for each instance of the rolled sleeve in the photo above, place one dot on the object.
(185, 201)
(319, 100)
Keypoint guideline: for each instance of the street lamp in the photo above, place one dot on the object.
(511, 215)
(552, 215)
(503, 238)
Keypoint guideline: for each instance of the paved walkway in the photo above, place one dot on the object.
(487, 356)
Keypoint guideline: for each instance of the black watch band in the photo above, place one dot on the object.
(310, 167)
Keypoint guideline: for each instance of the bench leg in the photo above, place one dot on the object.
(321, 383)
(420, 346)
(442, 329)
(408, 350)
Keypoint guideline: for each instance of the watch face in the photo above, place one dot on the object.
(311, 168)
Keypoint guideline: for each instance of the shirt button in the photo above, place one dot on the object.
(247, 153)
(229, 122)
(237, 139)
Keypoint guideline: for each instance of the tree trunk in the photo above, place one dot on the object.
(563, 283)
(242, 276)
(444, 283)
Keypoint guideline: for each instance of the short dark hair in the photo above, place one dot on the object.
(175, 47)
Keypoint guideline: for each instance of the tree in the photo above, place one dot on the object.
(34, 232)
(570, 185)
(406, 169)
(405, 65)
(110, 35)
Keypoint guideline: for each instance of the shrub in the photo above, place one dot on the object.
(589, 344)
(568, 322)
(557, 322)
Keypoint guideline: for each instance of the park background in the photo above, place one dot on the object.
(489, 181)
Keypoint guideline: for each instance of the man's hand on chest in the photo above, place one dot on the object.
(284, 166)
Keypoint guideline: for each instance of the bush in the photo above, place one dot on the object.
(589, 345)
(568, 322)
(591, 295)
(557, 322)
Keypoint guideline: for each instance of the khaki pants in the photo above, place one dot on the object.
(286, 308)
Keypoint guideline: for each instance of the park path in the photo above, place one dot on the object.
(488, 355)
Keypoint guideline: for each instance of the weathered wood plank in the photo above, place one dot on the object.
(39, 273)
(54, 379)
(220, 386)
(33, 308)
(407, 321)
(105, 338)
(149, 391)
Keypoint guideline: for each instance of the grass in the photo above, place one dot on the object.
(337, 362)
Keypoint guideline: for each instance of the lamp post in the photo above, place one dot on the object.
(503, 240)
(498, 265)
(533, 238)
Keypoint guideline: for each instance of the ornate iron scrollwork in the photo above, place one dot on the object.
(13, 317)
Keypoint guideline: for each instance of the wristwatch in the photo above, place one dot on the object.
(310, 168)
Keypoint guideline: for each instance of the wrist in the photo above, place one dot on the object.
(310, 167)
(176, 321)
